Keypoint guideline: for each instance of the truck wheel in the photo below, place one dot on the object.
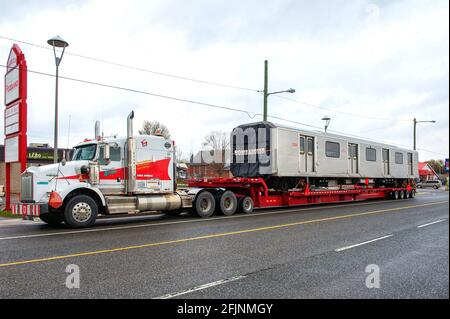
(52, 219)
(412, 194)
(205, 204)
(228, 203)
(80, 211)
(400, 195)
(395, 195)
(246, 205)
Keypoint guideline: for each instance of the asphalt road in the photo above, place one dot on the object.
(307, 252)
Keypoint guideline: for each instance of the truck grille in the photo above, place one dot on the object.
(26, 187)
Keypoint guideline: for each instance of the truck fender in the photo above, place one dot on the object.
(70, 188)
(195, 191)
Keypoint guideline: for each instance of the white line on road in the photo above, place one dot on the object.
(202, 287)
(363, 243)
(432, 223)
(94, 230)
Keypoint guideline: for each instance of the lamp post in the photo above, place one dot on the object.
(266, 88)
(57, 42)
(415, 129)
(327, 122)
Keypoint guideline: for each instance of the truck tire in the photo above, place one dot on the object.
(395, 195)
(246, 205)
(205, 204)
(52, 219)
(228, 203)
(80, 211)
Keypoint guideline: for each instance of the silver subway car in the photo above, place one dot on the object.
(288, 158)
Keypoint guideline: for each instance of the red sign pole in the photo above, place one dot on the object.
(15, 116)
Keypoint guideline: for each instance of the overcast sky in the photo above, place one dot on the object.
(372, 66)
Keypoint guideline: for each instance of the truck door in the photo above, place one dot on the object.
(386, 168)
(112, 174)
(353, 158)
(306, 160)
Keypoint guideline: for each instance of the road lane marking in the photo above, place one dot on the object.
(94, 230)
(363, 243)
(227, 234)
(201, 287)
(432, 223)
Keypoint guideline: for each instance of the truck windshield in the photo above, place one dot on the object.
(84, 153)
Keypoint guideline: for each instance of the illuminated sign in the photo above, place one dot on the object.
(12, 86)
(12, 149)
(12, 119)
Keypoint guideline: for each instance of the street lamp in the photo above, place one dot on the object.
(266, 89)
(415, 128)
(327, 122)
(57, 42)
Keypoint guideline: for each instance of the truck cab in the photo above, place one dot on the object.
(106, 175)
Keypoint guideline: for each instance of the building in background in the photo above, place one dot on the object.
(205, 165)
(37, 155)
(426, 172)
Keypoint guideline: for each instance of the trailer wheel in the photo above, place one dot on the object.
(412, 194)
(246, 205)
(52, 219)
(228, 203)
(80, 211)
(205, 204)
(400, 195)
(395, 195)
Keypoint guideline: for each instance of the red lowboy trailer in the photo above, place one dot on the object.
(250, 193)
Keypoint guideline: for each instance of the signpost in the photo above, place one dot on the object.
(15, 116)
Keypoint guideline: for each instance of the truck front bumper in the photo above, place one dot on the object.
(29, 210)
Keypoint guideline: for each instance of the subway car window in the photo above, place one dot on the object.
(332, 149)
(371, 154)
(398, 158)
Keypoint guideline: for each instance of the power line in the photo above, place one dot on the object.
(249, 114)
(179, 77)
(195, 80)
(338, 111)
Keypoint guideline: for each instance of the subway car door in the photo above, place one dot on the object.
(410, 164)
(353, 158)
(302, 154)
(309, 154)
(386, 169)
(306, 160)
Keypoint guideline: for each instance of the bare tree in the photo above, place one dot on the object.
(217, 140)
(216, 145)
(152, 127)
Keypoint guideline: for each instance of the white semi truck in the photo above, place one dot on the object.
(105, 176)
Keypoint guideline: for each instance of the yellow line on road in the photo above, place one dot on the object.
(239, 232)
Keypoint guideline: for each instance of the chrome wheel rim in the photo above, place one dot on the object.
(228, 203)
(81, 212)
(205, 204)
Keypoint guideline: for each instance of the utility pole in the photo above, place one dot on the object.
(266, 87)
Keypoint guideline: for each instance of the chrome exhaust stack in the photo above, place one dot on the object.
(97, 131)
(131, 156)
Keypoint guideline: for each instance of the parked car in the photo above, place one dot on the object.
(429, 184)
